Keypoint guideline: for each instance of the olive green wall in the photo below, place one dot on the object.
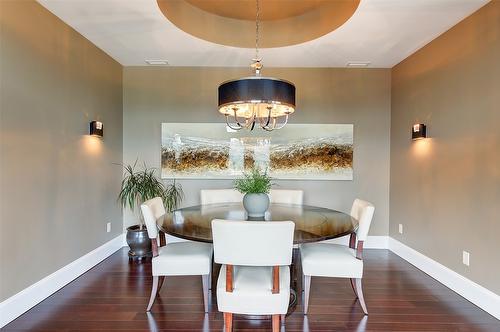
(445, 190)
(58, 185)
(153, 95)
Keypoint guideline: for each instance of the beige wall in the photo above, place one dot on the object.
(358, 96)
(58, 185)
(445, 190)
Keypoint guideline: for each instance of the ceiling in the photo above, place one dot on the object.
(381, 32)
(270, 9)
(281, 22)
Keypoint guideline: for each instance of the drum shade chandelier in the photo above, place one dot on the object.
(257, 99)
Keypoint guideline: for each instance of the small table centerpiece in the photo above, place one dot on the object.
(256, 186)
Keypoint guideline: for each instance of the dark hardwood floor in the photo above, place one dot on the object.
(113, 297)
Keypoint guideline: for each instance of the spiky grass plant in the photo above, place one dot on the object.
(254, 182)
(140, 185)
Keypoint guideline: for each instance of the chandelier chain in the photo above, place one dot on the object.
(257, 27)
(248, 111)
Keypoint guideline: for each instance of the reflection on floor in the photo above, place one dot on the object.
(113, 297)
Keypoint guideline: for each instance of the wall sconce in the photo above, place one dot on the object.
(96, 128)
(418, 131)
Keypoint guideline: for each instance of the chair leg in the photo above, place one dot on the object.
(160, 283)
(276, 323)
(359, 291)
(205, 279)
(210, 276)
(154, 291)
(228, 322)
(307, 287)
(353, 285)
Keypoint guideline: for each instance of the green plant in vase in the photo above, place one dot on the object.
(256, 185)
(137, 187)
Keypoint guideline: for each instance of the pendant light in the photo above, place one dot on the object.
(257, 99)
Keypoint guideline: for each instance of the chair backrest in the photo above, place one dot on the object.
(214, 196)
(253, 243)
(285, 196)
(151, 211)
(363, 212)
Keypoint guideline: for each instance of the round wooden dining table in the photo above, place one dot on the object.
(312, 224)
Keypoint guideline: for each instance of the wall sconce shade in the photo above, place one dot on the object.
(96, 128)
(418, 131)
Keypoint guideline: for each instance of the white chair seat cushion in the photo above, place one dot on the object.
(330, 260)
(252, 291)
(183, 258)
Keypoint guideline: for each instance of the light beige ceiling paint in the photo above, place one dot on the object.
(380, 32)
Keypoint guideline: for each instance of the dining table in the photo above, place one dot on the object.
(312, 224)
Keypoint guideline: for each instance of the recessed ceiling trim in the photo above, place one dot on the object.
(206, 20)
(269, 9)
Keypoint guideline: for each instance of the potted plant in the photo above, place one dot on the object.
(137, 187)
(255, 185)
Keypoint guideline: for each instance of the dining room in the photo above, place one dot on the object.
(249, 165)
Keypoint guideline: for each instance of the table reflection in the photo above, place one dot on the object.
(311, 223)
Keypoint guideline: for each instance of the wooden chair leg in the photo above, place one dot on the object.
(307, 287)
(215, 275)
(160, 283)
(276, 323)
(163, 238)
(228, 322)
(353, 285)
(359, 291)
(154, 291)
(205, 279)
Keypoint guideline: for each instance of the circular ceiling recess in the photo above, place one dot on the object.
(282, 22)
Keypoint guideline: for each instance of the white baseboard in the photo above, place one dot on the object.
(372, 242)
(480, 296)
(21, 302)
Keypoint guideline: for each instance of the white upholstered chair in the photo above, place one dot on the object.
(286, 196)
(255, 276)
(339, 261)
(215, 196)
(175, 259)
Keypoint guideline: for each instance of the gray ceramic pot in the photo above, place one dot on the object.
(139, 242)
(256, 205)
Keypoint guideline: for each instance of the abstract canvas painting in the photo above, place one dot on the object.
(298, 151)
